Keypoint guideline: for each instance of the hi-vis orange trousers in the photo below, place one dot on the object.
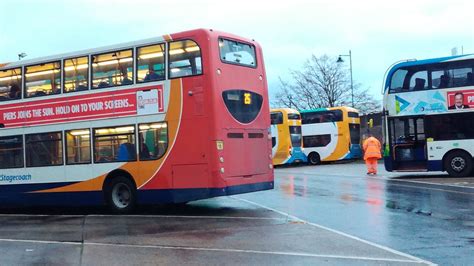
(371, 164)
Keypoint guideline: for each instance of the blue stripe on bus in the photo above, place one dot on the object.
(436, 165)
(5, 189)
(18, 197)
(297, 156)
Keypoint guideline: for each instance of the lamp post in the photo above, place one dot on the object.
(339, 60)
(21, 56)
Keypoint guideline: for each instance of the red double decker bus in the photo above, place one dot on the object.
(171, 119)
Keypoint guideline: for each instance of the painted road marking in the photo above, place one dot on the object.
(298, 254)
(337, 232)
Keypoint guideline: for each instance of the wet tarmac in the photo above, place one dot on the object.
(329, 214)
(223, 231)
(430, 216)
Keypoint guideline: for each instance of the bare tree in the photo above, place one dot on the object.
(323, 83)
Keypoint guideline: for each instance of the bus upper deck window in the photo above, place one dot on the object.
(76, 74)
(112, 69)
(396, 84)
(151, 63)
(10, 84)
(184, 59)
(43, 79)
(418, 81)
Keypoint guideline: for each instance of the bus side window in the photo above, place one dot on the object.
(418, 80)
(153, 139)
(78, 146)
(469, 79)
(43, 79)
(436, 78)
(10, 84)
(44, 149)
(76, 74)
(112, 69)
(184, 59)
(11, 152)
(114, 144)
(150, 63)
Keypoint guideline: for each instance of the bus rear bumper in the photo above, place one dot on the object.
(192, 194)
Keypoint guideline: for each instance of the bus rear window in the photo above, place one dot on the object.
(294, 116)
(243, 105)
(276, 118)
(353, 114)
(237, 53)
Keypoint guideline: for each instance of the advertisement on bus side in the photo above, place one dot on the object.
(83, 107)
(458, 100)
(428, 102)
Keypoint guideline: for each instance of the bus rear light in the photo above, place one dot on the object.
(221, 159)
(270, 166)
(222, 170)
(220, 145)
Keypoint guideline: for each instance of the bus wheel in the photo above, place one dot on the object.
(458, 164)
(120, 194)
(314, 159)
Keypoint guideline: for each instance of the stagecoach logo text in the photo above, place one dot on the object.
(11, 178)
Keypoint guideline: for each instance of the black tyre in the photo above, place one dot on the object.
(120, 195)
(314, 159)
(458, 164)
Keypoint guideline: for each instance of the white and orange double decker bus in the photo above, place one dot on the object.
(170, 119)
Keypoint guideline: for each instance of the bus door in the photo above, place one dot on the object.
(408, 143)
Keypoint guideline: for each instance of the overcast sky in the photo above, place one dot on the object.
(379, 33)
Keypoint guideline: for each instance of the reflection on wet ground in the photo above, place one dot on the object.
(428, 216)
(227, 230)
(404, 212)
